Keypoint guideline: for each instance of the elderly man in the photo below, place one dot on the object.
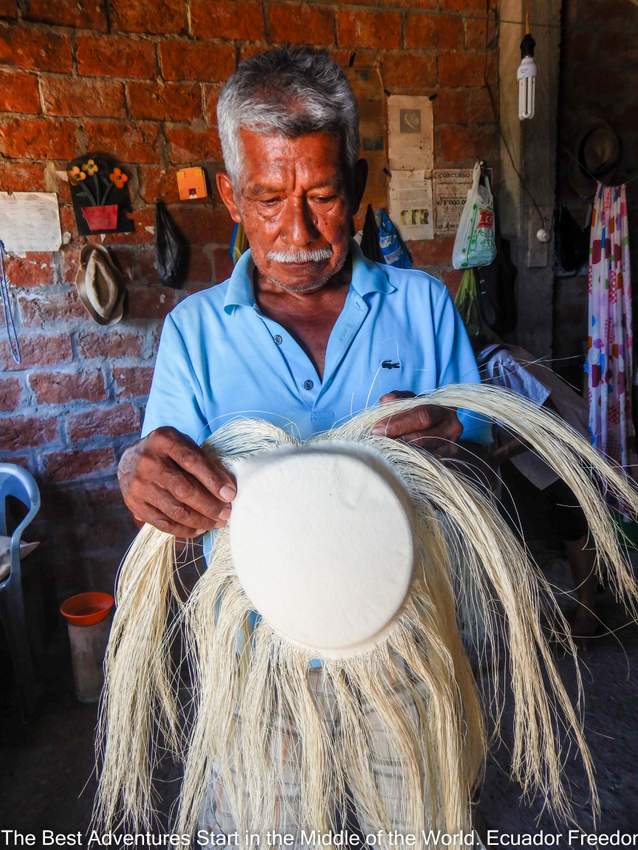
(306, 332)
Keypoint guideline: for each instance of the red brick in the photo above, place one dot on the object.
(247, 50)
(136, 262)
(462, 69)
(133, 380)
(66, 466)
(103, 422)
(19, 92)
(72, 96)
(158, 16)
(8, 8)
(196, 60)
(152, 302)
(38, 138)
(465, 6)
(451, 106)
(85, 14)
(158, 183)
(23, 432)
(223, 264)
(199, 274)
(432, 253)
(222, 225)
(115, 56)
(165, 102)
(143, 219)
(475, 33)
(34, 269)
(42, 308)
(464, 145)
(41, 49)
(480, 110)
(300, 24)
(368, 28)
(61, 387)
(129, 142)
(409, 71)
(429, 32)
(22, 176)
(188, 145)
(240, 20)
(37, 351)
(110, 344)
(196, 221)
(10, 393)
(211, 96)
(452, 279)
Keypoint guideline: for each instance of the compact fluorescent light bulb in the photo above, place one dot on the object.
(526, 76)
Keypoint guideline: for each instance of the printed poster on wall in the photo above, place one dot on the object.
(451, 186)
(410, 135)
(411, 204)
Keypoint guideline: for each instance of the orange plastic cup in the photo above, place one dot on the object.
(87, 609)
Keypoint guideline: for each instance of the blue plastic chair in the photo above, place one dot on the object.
(19, 483)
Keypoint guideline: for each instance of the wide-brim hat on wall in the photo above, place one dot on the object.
(595, 157)
(100, 285)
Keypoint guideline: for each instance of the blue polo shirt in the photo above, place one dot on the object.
(221, 358)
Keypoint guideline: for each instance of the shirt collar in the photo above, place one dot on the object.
(367, 277)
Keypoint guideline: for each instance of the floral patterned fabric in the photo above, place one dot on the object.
(609, 363)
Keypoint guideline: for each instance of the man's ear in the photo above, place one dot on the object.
(359, 178)
(225, 189)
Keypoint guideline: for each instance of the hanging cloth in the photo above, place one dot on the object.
(609, 363)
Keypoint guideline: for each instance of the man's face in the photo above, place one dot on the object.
(295, 201)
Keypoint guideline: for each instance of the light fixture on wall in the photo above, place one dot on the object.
(526, 76)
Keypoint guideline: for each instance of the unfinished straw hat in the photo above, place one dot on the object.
(100, 285)
(392, 568)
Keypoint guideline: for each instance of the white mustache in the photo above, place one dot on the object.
(315, 256)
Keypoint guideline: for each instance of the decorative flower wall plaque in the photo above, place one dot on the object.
(100, 194)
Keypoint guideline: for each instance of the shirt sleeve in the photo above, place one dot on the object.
(175, 397)
(457, 365)
(509, 373)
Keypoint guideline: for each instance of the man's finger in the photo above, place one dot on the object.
(436, 443)
(215, 478)
(395, 395)
(418, 419)
(181, 512)
(160, 521)
(187, 490)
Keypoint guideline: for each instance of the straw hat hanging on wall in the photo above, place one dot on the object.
(100, 285)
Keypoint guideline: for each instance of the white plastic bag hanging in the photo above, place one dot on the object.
(475, 243)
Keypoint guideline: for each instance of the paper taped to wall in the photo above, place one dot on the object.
(29, 221)
(410, 133)
(411, 204)
(451, 186)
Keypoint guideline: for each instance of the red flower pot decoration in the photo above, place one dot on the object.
(101, 217)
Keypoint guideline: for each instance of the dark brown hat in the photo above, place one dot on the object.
(596, 157)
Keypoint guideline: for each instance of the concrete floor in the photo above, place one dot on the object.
(46, 777)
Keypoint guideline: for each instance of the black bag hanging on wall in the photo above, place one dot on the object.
(496, 290)
(171, 248)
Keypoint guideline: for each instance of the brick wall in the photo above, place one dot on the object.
(599, 78)
(139, 79)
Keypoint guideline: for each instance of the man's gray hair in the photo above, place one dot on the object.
(287, 90)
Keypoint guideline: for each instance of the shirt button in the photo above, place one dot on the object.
(308, 385)
(279, 339)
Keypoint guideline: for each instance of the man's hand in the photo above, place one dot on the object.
(428, 426)
(168, 481)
